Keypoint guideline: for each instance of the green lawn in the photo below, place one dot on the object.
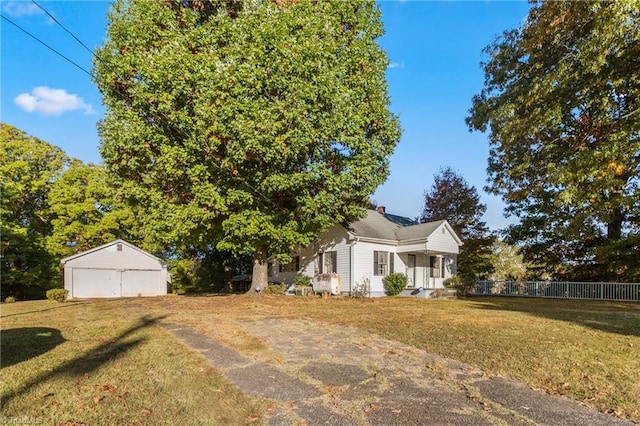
(84, 362)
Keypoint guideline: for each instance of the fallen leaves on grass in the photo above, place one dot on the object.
(370, 407)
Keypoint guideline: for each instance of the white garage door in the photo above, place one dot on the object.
(88, 283)
(142, 283)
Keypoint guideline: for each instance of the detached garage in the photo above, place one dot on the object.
(116, 269)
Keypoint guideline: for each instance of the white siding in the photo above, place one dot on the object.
(363, 265)
(335, 239)
(110, 258)
(442, 240)
(112, 272)
(409, 248)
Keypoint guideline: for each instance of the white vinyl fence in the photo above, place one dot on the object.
(629, 292)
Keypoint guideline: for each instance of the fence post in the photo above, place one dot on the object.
(601, 291)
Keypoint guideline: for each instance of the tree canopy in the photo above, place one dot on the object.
(85, 211)
(561, 103)
(28, 168)
(453, 199)
(251, 125)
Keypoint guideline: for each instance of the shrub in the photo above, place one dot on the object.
(302, 281)
(451, 282)
(395, 283)
(463, 288)
(275, 288)
(10, 299)
(57, 294)
(361, 288)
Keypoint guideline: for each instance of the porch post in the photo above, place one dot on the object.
(427, 269)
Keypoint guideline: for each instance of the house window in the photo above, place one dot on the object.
(436, 267)
(380, 263)
(293, 266)
(329, 262)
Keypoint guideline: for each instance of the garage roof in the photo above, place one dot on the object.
(123, 242)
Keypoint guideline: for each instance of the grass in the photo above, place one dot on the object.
(108, 359)
(102, 362)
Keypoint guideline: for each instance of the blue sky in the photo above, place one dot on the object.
(434, 49)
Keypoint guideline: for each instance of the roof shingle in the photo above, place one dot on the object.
(386, 226)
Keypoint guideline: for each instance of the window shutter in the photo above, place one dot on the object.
(375, 263)
(334, 261)
(320, 263)
(297, 263)
(391, 256)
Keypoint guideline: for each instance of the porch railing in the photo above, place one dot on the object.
(629, 292)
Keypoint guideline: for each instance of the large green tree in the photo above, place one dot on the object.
(453, 199)
(252, 125)
(86, 212)
(28, 168)
(561, 103)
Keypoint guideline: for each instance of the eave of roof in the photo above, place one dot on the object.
(86, 252)
(392, 229)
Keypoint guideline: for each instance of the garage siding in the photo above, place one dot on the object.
(117, 269)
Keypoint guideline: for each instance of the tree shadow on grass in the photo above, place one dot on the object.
(90, 360)
(613, 317)
(21, 344)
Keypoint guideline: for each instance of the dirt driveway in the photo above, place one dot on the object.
(333, 375)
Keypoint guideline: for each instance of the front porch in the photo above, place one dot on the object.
(426, 270)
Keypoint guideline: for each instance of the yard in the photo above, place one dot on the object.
(87, 361)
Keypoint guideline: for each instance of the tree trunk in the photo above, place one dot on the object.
(228, 276)
(614, 227)
(259, 279)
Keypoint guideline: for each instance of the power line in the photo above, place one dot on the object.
(168, 121)
(46, 45)
(63, 27)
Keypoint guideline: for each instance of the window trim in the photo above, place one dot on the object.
(334, 262)
(289, 267)
(381, 263)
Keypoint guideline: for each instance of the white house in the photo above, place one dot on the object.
(364, 252)
(116, 269)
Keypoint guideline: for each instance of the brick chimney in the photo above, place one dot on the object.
(381, 209)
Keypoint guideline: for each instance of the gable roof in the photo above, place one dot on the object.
(112, 243)
(386, 226)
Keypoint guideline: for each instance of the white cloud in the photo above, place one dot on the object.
(48, 101)
(396, 65)
(18, 9)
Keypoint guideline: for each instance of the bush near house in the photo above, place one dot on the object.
(57, 294)
(275, 288)
(302, 281)
(395, 283)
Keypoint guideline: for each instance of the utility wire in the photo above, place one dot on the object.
(46, 45)
(63, 27)
(168, 121)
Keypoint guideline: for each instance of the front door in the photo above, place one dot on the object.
(411, 270)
